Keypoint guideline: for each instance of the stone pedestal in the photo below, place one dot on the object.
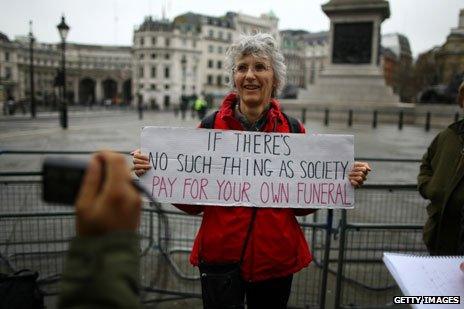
(353, 74)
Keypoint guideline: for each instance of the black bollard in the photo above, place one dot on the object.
(374, 119)
(326, 117)
(427, 121)
(303, 115)
(456, 117)
(350, 118)
(400, 120)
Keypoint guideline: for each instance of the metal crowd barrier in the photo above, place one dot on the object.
(347, 253)
(347, 246)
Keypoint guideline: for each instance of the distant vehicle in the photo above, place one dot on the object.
(107, 102)
(436, 94)
(289, 92)
(441, 93)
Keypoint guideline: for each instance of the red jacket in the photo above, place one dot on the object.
(276, 247)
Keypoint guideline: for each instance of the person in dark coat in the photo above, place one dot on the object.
(441, 180)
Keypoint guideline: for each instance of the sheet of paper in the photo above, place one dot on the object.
(238, 168)
(427, 276)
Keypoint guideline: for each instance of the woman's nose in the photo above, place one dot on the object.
(250, 74)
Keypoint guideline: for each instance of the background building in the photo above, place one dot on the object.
(93, 73)
(439, 71)
(184, 57)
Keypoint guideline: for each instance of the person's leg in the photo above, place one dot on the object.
(271, 294)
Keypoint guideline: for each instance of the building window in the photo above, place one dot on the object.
(194, 44)
(166, 86)
(8, 73)
(153, 56)
(210, 48)
(7, 56)
(229, 37)
(168, 41)
(142, 41)
(153, 87)
(153, 41)
(219, 80)
(220, 49)
(211, 33)
(167, 100)
(219, 64)
(153, 71)
(210, 63)
(226, 79)
(141, 56)
(221, 35)
(140, 72)
(184, 42)
(209, 79)
(183, 87)
(167, 56)
(141, 86)
(166, 72)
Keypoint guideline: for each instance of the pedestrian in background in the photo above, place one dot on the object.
(441, 180)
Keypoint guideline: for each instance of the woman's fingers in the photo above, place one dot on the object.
(140, 172)
(140, 161)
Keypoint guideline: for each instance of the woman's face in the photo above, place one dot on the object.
(254, 80)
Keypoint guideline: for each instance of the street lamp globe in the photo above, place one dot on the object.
(63, 29)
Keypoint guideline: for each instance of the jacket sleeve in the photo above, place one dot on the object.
(102, 272)
(190, 209)
(303, 212)
(426, 170)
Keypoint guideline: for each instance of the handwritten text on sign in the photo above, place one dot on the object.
(238, 168)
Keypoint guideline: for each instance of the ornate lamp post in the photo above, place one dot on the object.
(31, 69)
(63, 29)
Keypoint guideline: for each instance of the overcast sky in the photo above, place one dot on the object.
(426, 23)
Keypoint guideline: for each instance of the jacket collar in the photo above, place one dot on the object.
(458, 127)
(274, 115)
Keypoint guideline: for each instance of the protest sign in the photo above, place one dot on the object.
(241, 168)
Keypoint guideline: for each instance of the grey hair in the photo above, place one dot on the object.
(261, 45)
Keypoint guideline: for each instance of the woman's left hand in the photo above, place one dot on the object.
(359, 173)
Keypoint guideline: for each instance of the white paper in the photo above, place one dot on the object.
(240, 168)
(427, 276)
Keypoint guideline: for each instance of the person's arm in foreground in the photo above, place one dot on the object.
(102, 266)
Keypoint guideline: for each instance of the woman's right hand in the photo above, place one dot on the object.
(141, 162)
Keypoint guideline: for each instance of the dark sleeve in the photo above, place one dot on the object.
(461, 234)
(303, 212)
(102, 272)
(426, 170)
(190, 209)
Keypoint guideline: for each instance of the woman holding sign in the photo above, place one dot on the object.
(245, 251)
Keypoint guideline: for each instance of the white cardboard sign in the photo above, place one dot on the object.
(241, 168)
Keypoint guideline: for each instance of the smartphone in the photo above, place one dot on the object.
(62, 179)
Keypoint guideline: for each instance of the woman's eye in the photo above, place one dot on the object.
(242, 68)
(259, 67)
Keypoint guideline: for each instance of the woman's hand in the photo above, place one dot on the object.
(141, 162)
(359, 173)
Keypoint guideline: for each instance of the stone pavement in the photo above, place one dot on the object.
(91, 130)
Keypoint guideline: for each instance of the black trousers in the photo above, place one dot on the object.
(269, 294)
(272, 294)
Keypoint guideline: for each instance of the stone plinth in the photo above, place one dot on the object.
(353, 74)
